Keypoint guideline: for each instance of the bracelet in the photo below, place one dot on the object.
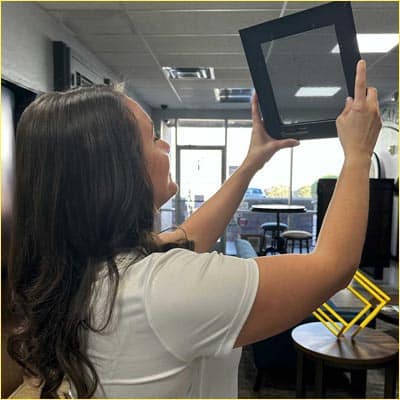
(184, 232)
(177, 227)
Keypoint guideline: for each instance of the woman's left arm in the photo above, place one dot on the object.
(208, 223)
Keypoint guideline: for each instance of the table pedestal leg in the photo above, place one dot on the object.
(280, 242)
(319, 379)
(300, 381)
(358, 383)
(390, 380)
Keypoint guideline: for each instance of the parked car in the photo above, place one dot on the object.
(254, 193)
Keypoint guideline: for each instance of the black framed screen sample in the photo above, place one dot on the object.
(305, 60)
(376, 251)
(295, 51)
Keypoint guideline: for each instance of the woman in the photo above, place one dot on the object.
(123, 312)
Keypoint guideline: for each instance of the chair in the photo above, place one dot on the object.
(301, 236)
(244, 249)
(275, 235)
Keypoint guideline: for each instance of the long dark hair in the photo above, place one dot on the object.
(82, 196)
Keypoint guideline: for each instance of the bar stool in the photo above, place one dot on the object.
(275, 235)
(297, 235)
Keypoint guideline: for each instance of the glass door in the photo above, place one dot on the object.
(200, 173)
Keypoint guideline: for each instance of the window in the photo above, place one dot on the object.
(167, 211)
(312, 160)
(199, 149)
(201, 132)
(274, 178)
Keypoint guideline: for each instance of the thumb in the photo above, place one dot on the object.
(255, 112)
(286, 143)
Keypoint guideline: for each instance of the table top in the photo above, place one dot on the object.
(369, 346)
(283, 208)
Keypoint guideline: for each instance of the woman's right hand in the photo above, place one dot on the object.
(359, 124)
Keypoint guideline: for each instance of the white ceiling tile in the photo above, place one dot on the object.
(156, 97)
(372, 59)
(147, 72)
(294, 6)
(302, 5)
(207, 22)
(160, 83)
(90, 13)
(383, 73)
(208, 60)
(201, 94)
(311, 43)
(378, 5)
(376, 21)
(72, 5)
(114, 43)
(202, 5)
(216, 106)
(194, 44)
(115, 24)
(127, 59)
(232, 73)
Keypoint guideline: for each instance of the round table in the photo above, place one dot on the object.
(369, 349)
(278, 209)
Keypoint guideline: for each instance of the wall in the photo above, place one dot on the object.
(27, 55)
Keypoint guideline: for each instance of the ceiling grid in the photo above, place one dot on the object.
(136, 39)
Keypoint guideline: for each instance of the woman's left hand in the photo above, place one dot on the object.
(262, 145)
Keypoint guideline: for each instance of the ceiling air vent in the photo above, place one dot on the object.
(189, 72)
(237, 95)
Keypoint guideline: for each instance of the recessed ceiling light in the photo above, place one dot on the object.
(374, 42)
(189, 72)
(314, 91)
(233, 95)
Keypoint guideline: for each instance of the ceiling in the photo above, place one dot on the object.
(135, 39)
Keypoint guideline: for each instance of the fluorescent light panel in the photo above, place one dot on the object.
(198, 73)
(315, 91)
(374, 42)
(233, 95)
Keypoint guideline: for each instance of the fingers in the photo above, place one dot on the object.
(347, 107)
(255, 112)
(372, 94)
(361, 82)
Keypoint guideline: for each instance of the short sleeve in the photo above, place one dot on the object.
(197, 303)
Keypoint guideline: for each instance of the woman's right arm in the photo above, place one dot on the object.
(292, 286)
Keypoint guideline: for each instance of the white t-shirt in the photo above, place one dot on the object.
(176, 318)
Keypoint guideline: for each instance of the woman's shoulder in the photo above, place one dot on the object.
(176, 262)
(133, 262)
